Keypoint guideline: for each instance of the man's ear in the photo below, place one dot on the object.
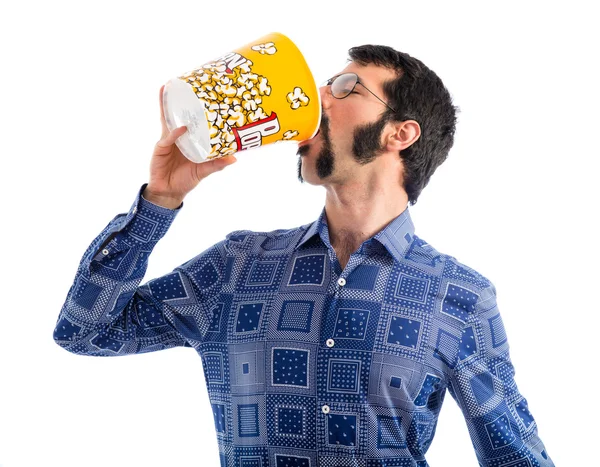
(402, 135)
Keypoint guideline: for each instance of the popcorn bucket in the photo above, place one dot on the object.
(258, 94)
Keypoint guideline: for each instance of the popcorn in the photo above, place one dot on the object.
(297, 98)
(268, 48)
(257, 115)
(289, 135)
(227, 89)
(236, 118)
(232, 93)
(216, 67)
(205, 78)
(263, 86)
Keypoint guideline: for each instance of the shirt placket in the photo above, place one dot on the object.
(336, 291)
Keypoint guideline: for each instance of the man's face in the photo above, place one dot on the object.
(350, 130)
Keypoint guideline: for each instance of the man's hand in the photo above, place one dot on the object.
(172, 175)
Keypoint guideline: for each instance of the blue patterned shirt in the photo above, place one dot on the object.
(307, 364)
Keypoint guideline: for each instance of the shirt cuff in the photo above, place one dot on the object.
(156, 205)
(147, 222)
(143, 226)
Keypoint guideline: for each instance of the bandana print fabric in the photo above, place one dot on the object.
(307, 364)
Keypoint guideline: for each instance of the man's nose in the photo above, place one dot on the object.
(326, 96)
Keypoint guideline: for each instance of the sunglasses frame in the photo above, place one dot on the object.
(330, 82)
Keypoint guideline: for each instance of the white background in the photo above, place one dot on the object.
(516, 200)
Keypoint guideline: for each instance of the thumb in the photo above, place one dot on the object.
(170, 139)
(227, 160)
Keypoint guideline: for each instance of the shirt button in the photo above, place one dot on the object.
(105, 252)
(134, 210)
(342, 281)
(330, 342)
(325, 409)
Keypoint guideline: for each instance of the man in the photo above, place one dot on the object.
(331, 344)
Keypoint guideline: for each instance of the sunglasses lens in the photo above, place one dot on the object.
(343, 85)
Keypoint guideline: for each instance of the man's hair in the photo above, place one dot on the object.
(417, 94)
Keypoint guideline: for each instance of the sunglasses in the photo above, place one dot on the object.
(343, 85)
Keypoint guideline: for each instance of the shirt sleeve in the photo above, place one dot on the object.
(107, 313)
(501, 426)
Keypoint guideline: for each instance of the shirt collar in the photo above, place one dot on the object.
(395, 237)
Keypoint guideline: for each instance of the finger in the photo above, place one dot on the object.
(223, 162)
(228, 160)
(215, 165)
(172, 136)
(163, 123)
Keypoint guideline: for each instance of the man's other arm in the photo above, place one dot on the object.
(500, 424)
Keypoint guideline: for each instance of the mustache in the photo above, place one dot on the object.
(303, 150)
(324, 126)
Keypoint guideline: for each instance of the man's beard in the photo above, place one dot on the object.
(324, 160)
(366, 146)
